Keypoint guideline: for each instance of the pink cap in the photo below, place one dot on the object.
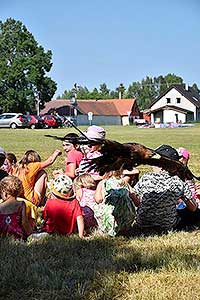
(94, 131)
(182, 152)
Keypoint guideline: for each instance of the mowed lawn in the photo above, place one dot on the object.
(156, 267)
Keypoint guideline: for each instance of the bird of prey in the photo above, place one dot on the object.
(126, 156)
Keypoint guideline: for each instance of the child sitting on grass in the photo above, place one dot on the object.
(33, 176)
(62, 212)
(13, 218)
(9, 164)
(84, 187)
(115, 204)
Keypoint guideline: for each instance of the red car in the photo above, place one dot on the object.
(51, 121)
(35, 122)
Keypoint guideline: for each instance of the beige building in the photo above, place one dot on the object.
(103, 112)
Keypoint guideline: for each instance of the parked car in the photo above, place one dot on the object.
(13, 120)
(51, 121)
(35, 122)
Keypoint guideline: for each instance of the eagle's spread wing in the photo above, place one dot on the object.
(117, 156)
(126, 156)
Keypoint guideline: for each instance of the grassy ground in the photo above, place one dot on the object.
(156, 267)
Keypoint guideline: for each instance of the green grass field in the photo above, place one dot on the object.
(156, 267)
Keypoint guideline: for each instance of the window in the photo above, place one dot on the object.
(8, 116)
(178, 100)
(168, 100)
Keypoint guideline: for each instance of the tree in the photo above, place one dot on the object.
(104, 91)
(23, 65)
(114, 94)
(195, 88)
(94, 94)
(83, 93)
(67, 94)
(149, 88)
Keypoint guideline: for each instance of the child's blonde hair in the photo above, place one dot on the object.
(117, 174)
(84, 181)
(11, 185)
(29, 157)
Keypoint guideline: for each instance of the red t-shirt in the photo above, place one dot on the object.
(74, 156)
(60, 215)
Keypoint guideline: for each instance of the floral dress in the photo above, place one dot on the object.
(117, 212)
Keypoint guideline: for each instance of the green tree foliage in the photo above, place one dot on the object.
(23, 65)
(67, 94)
(195, 87)
(114, 94)
(83, 93)
(146, 91)
(95, 94)
(104, 91)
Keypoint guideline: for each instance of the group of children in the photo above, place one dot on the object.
(78, 199)
(69, 206)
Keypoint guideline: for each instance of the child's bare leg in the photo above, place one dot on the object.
(41, 184)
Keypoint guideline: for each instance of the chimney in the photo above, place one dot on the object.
(186, 87)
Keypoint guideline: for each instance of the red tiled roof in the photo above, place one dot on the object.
(54, 104)
(109, 107)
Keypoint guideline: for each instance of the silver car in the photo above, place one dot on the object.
(13, 120)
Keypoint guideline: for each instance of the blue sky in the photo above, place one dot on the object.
(113, 41)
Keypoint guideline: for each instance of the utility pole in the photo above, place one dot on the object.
(73, 101)
(121, 90)
(37, 104)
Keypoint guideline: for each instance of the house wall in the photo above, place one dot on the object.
(173, 116)
(99, 120)
(125, 120)
(173, 94)
(198, 114)
(168, 116)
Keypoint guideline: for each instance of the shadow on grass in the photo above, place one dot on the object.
(69, 268)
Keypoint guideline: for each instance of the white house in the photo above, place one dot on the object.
(177, 104)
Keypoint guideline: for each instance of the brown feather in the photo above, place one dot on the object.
(117, 156)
